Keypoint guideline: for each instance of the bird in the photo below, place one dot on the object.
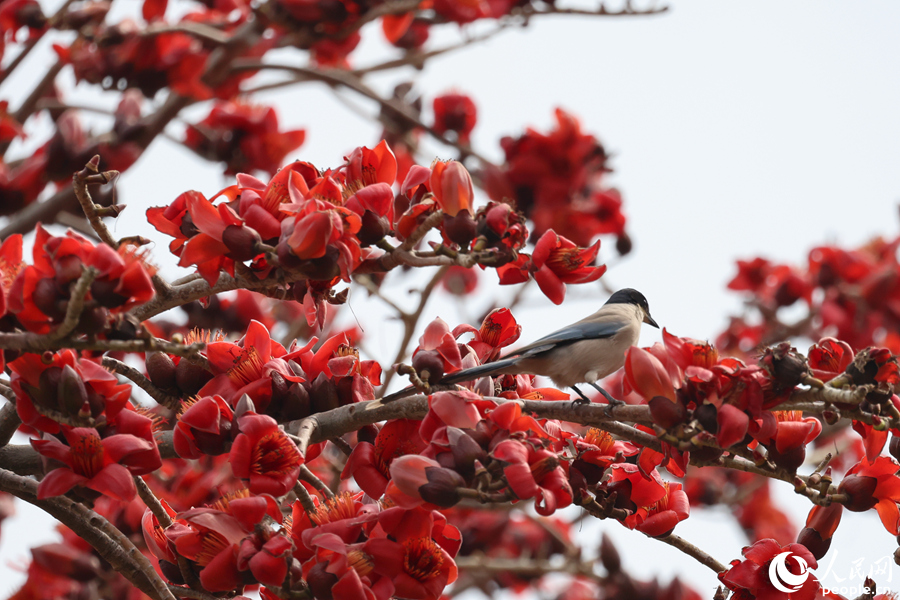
(583, 352)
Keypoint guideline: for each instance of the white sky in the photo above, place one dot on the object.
(739, 129)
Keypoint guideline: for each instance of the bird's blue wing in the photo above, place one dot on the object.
(570, 334)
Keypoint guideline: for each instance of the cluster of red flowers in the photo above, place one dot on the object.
(849, 294)
(324, 225)
(36, 297)
(556, 180)
(245, 137)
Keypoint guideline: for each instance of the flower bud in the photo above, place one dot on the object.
(859, 489)
(786, 366)
(460, 229)
(104, 292)
(667, 414)
(47, 298)
(623, 244)
(466, 451)
(429, 366)
(71, 393)
(320, 581)
(814, 543)
(442, 487)
(374, 228)
(161, 370)
(894, 446)
(323, 394)
(789, 460)
(242, 242)
(190, 377)
(609, 556)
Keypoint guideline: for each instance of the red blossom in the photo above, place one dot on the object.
(93, 462)
(246, 137)
(751, 575)
(40, 293)
(498, 330)
(556, 261)
(265, 455)
(457, 113)
(64, 384)
(451, 185)
(534, 473)
(875, 484)
(369, 464)
(204, 428)
(660, 518)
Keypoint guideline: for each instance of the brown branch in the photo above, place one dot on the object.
(201, 31)
(693, 551)
(136, 377)
(112, 545)
(9, 422)
(310, 478)
(165, 521)
(306, 500)
(80, 180)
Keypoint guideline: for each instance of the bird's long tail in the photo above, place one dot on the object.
(491, 368)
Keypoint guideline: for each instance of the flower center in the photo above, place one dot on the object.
(361, 562)
(423, 559)
(249, 368)
(87, 454)
(602, 439)
(275, 453)
(337, 509)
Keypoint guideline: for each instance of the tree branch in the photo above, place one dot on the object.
(109, 542)
(136, 377)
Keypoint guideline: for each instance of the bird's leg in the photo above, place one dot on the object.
(582, 399)
(612, 401)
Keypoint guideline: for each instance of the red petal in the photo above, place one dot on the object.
(58, 482)
(115, 481)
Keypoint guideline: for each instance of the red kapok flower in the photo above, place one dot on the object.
(874, 484)
(369, 464)
(265, 455)
(451, 185)
(752, 575)
(64, 384)
(660, 518)
(457, 113)
(92, 462)
(556, 261)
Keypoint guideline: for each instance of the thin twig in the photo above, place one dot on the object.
(693, 551)
(310, 478)
(136, 377)
(306, 500)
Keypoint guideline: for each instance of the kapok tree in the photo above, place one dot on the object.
(187, 452)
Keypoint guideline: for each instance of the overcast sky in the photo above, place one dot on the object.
(739, 129)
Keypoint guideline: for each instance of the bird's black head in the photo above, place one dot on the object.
(632, 296)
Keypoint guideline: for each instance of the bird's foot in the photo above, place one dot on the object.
(611, 402)
(581, 400)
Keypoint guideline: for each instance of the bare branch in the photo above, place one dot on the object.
(136, 377)
(109, 542)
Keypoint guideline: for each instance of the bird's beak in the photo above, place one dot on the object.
(649, 320)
